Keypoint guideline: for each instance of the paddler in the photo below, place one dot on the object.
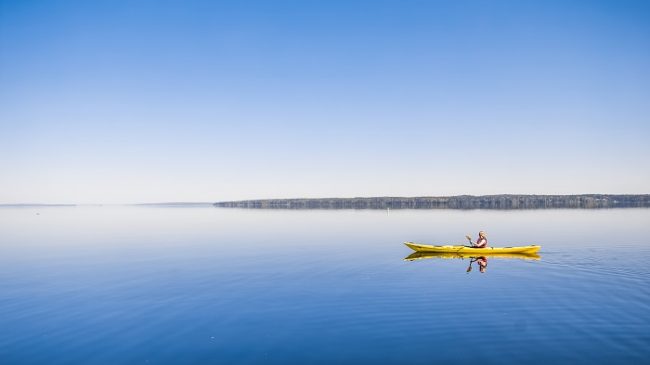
(481, 242)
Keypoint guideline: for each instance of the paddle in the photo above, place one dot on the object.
(469, 268)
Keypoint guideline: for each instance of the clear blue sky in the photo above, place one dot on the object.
(144, 101)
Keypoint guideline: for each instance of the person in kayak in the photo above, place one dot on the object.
(481, 242)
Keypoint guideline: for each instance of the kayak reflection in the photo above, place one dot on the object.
(480, 260)
(462, 255)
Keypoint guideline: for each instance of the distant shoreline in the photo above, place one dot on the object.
(504, 201)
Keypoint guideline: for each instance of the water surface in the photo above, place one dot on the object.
(170, 285)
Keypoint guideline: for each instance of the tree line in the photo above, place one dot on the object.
(506, 201)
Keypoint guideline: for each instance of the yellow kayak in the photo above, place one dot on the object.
(453, 255)
(472, 251)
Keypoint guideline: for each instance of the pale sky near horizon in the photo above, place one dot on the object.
(150, 101)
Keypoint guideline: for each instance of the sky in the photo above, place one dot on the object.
(159, 101)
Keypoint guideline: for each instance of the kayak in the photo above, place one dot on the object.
(461, 255)
(471, 250)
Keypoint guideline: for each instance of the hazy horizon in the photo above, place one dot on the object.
(272, 198)
(202, 101)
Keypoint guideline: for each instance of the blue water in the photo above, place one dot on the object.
(151, 285)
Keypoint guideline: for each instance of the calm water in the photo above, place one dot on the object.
(141, 285)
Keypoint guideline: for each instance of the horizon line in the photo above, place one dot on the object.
(296, 198)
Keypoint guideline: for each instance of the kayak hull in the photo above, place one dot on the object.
(532, 249)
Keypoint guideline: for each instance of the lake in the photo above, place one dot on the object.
(204, 285)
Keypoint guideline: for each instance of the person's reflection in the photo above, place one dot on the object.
(481, 261)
